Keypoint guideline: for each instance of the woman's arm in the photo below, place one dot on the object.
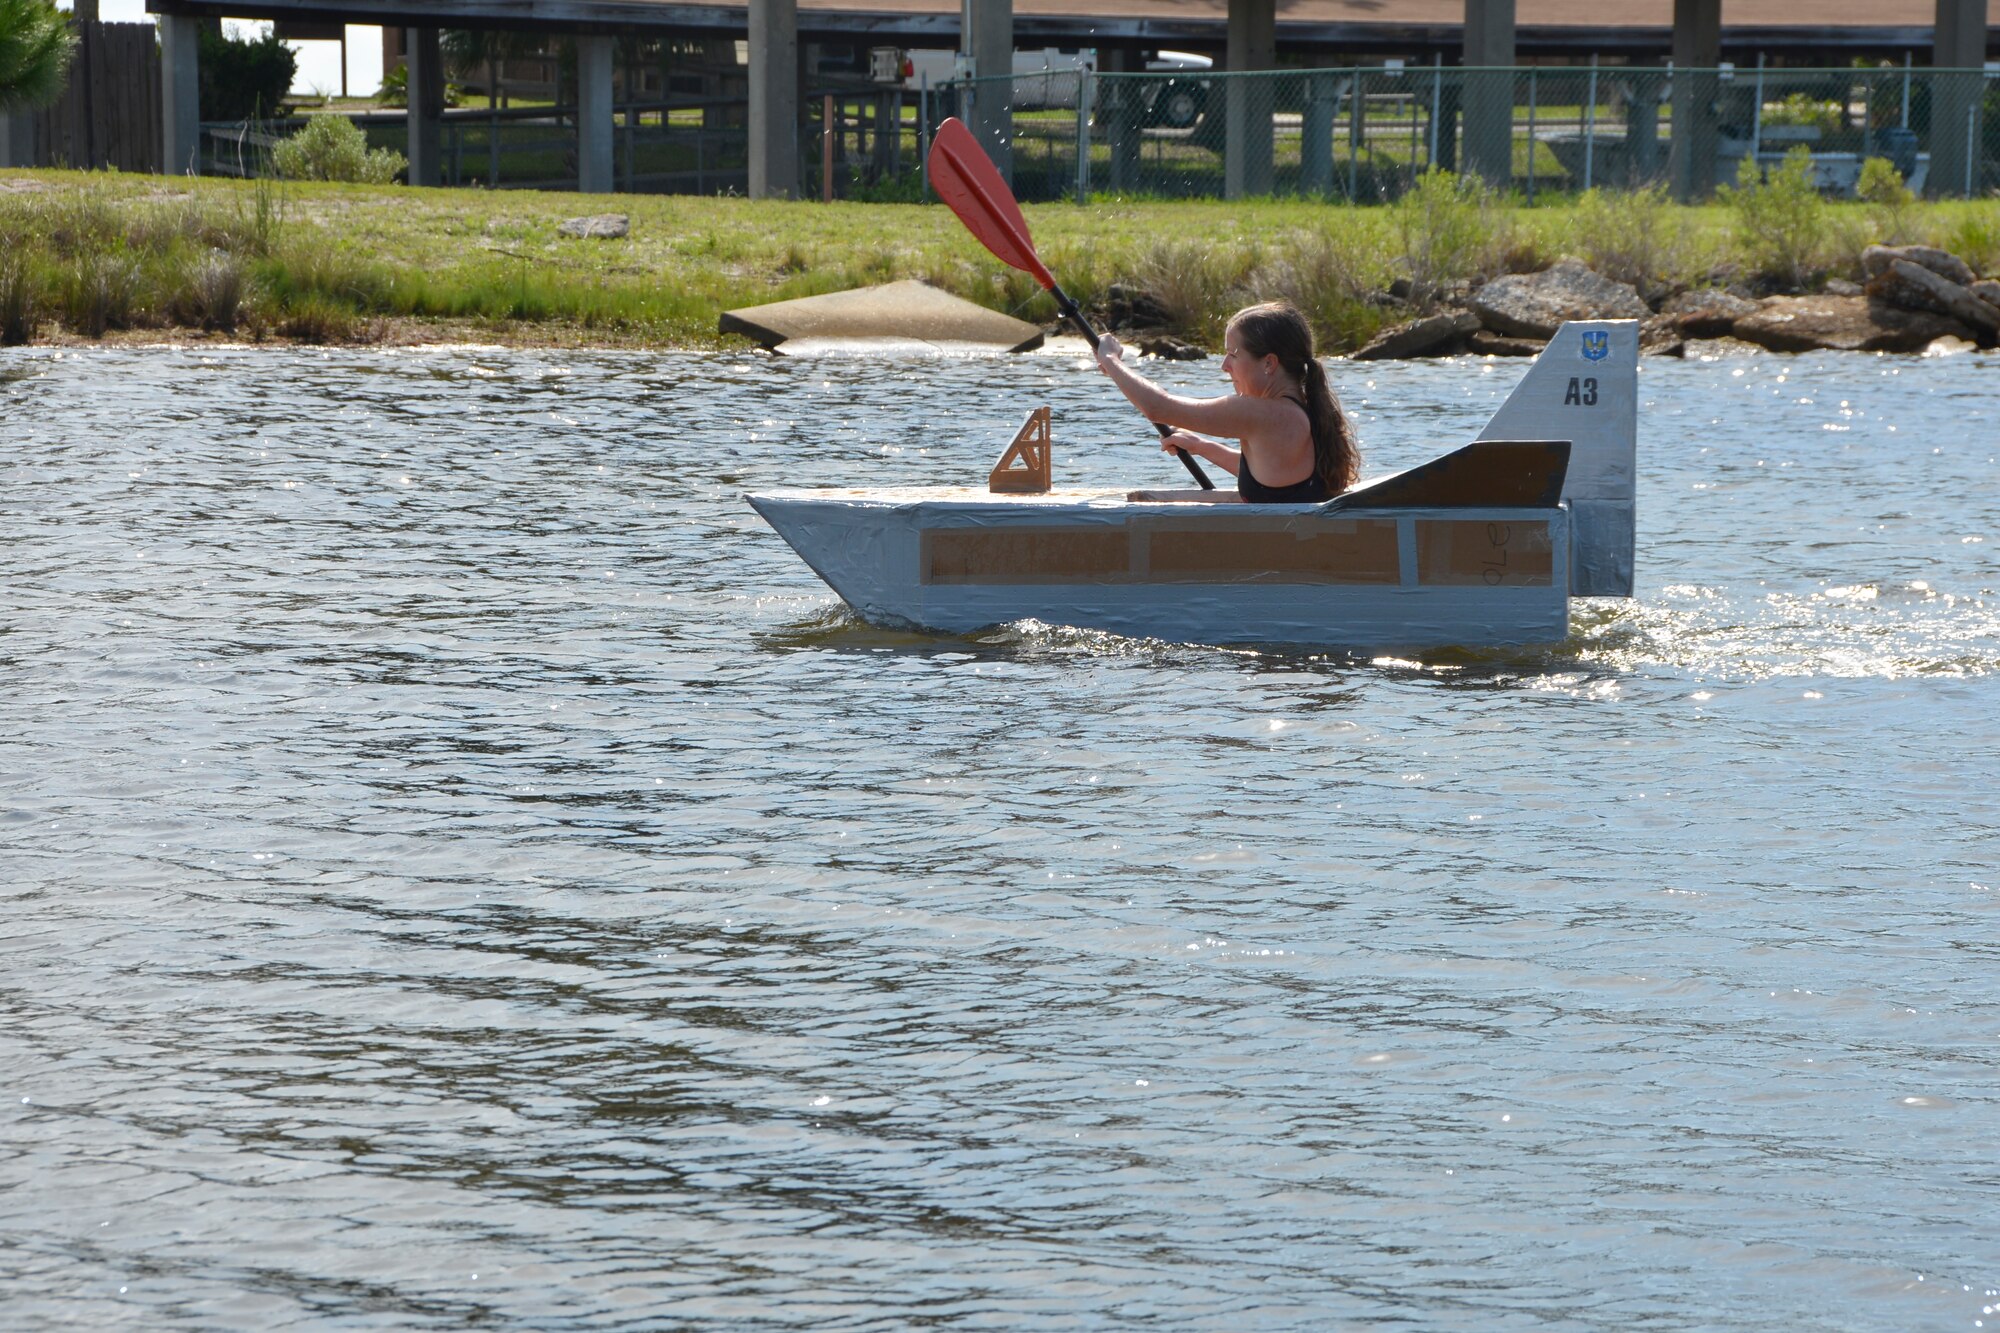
(1214, 451)
(1230, 415)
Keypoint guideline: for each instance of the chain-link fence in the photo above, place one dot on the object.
(1366, 134)
(1343, 134)
(657, 148)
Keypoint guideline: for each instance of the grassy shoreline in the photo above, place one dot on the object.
(85, 256)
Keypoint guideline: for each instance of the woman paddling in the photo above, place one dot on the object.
(1298, 445)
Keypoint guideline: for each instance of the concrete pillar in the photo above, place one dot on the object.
(774, 99)
(1316, 133)
(1120, 113)
(1959, 43)
(425, 115)
(1697, 51)
(1488, 93)
(1642, 129)
(987, 35)
(1444, 135)
(596, 122)
(1248, 104)
(180, 95)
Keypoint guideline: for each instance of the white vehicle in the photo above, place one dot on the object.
(1049, 77)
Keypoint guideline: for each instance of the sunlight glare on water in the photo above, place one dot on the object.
(461, 869)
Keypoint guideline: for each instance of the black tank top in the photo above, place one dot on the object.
(1310, 491)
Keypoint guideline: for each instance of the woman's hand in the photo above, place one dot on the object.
(1109, 349)
(1183, 439)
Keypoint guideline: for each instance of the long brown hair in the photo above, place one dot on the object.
(1277, 329)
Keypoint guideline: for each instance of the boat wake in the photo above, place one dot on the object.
(1874, 631)
(1886, 632)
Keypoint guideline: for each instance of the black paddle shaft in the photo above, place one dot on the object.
(1076, 317)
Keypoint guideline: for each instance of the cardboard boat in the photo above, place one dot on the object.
(1482, 546)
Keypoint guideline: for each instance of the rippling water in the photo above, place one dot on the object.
(459, 868)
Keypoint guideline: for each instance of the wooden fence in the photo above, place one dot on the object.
(109, 115)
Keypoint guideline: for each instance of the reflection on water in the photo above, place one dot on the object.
(459, 868)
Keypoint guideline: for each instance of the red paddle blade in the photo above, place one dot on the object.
(972, 187)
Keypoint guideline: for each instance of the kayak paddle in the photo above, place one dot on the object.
(972, 187)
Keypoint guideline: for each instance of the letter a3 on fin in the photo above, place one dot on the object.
(1597, 411)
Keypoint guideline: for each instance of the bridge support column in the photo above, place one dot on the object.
(1959, 44)
(987, 36)
(425, 114)
(1247, 103)
(1488, 96)
(180, 95)
(1697, 51)
(774, 99)
(596, 122)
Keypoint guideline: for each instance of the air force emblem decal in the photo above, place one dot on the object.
(1596, 344)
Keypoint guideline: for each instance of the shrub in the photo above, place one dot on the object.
(1442, 224)
(1803, 109)
(1328, 276)
(20, 302)
(1975, 238)
(241, 80)
(1891, 206)
(1781, 222)
(1635, 236)
(211, 295)
(1195, 282)
(98, 292)
(316, 319)
(333, 148)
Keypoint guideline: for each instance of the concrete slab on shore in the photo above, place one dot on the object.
(895, 312)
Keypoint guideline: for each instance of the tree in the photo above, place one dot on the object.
(241, 79)
(35, 47)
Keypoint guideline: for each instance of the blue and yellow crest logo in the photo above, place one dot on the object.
(1596, 344)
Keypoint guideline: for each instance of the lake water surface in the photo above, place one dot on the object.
(458, 868)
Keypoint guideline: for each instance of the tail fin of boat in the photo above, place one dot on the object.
(1584, 388)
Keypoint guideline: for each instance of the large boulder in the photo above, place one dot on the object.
(1987, 290)
(1945, 264)
(1707, 312)
(1843, 323)
(1534, 305)
(1437, 335)
(1910, 287)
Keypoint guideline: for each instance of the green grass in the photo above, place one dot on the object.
(82, 254)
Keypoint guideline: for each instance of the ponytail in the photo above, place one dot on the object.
(1336, 456)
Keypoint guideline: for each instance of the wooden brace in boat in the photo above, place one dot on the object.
(1024, 469)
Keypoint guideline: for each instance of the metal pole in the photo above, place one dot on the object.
(1084, 89)
(1971, 147)
(1355, 104)
(1906, 90)
(924, 127)
(1533, 143)
(1590, 125)
(1757, 112)
(1437, 95)
(826, 150)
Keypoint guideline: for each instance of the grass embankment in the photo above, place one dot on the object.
(89, 255)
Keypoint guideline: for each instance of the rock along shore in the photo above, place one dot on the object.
(1916, 296)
